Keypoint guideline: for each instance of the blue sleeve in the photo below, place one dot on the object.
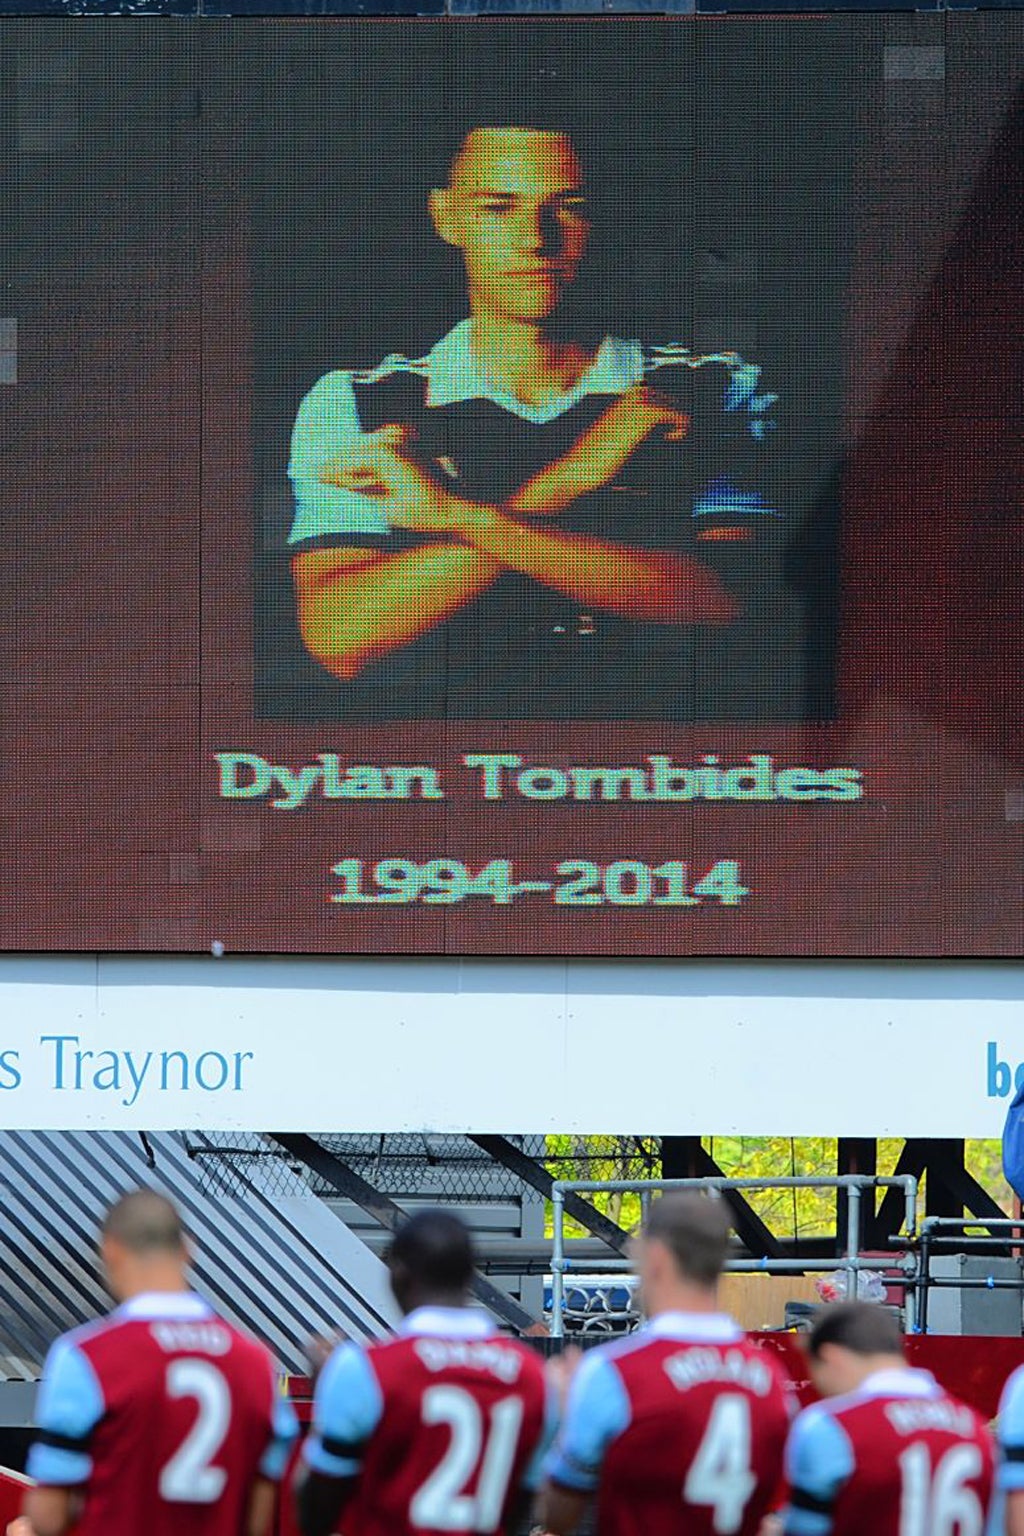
(347, 1408)
(737, 486)
(284, 1433)
(819, 1461)
(1010, 1477)
(752, 404)
(327, 423)
(534, 1474)
(68, 1408)
(596, 1413)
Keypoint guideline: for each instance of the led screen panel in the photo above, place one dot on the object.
(513, 486)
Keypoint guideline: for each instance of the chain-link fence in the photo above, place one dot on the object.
(448, 1169)
(453, 1169)
(420, 1166)
(230, 1163)
(443, 1168)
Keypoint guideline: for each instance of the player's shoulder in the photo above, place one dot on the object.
(680, 354)
(819, 1433)
(816, 1418)
(112, 1332)
(1010, 1420)
(625, 1358)
(351, 1363)
(338, 402)
(114, 1351)
(391, 1346)
(393, 365)
(847, 1407)
(82, 1351)
(1012, 1395)
(820, 1453)
(393, 1362)
(729, 376)
(721, 365)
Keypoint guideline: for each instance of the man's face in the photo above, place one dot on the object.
(514, 207)
(833, 1370)
(654, 1269)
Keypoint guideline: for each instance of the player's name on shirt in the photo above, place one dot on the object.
(911, 1417)
(694, 1367)
(204, 1338)
(493, 1358)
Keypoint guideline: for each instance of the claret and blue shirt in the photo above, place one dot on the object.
(522, 650)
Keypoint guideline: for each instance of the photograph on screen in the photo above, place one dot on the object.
(544, 486)
(550, 443)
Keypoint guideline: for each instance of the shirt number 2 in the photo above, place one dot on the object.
(189, 1477)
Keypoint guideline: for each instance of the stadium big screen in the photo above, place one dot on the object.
(513, 486)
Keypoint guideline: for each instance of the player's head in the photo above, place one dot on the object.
(143, 1245)
(431, 1261)
(513, 204)
(849, 1342)
(682, 1251)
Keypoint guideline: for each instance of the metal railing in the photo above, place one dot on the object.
(948, 1234)
(853, 1184)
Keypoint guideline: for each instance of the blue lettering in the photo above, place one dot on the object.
(111, 1071)
(137, 1077)
(166, 1058)
(998, 1074)
(224, 1070)
(58, 1064)
(81, 1057)
(9, 1068)
(78, 1070)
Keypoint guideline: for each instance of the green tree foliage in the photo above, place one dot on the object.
(788, 1213)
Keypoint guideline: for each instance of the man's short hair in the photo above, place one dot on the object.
(861, 1326)
(512, 120)
(435, 1251)
(695, 1229)
(145, 1222)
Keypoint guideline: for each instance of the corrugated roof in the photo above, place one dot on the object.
(279, 1264)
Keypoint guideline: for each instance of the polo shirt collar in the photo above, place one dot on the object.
(454, 374)
(165, 1306)
(899, 1382)
(447, 1323)
(695, 1328)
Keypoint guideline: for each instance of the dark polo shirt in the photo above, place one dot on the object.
(522, 650)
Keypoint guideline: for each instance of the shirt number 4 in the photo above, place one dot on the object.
(720, 1476)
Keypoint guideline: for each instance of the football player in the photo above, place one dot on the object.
(444, 1427)
(887, 1451)
(161, 1418)
(680, 1429)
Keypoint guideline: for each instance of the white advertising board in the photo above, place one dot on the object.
(160, 1043)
